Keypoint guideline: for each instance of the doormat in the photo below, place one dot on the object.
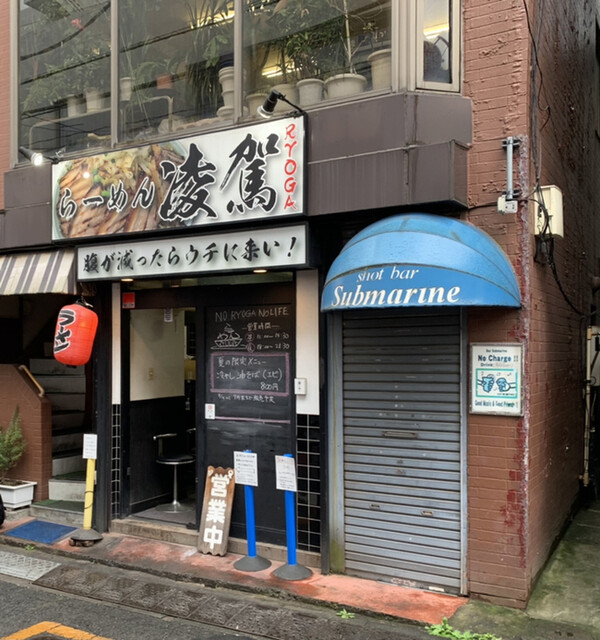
(40, 531)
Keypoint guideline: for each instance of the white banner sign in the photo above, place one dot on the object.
(245, 464)
(285, 473)
(251, 249)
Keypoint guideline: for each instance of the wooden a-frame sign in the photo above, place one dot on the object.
(216, 511)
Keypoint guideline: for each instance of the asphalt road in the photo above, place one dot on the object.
(119, 604)
(23, 605)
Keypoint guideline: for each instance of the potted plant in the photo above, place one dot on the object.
(209, 59)
(313, 30)
(15, 493)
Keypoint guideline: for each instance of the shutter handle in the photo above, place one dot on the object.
(400, 434)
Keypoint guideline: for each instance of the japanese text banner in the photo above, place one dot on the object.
(235, 175)
(252, 249)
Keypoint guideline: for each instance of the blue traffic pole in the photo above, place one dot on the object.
(250, 520)
(290, 522)
(292, 570)
(251, 562)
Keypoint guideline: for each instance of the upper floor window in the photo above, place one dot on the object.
(184, 64)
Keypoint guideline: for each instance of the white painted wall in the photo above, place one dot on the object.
(307, 340)
(157, 354)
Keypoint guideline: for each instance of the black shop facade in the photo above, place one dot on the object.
(195, 254)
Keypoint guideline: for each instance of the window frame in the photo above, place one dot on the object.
(456, 47)
(406, 24)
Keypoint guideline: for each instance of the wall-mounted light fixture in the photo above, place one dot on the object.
(267, 108)
(36, 157)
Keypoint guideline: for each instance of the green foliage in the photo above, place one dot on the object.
(345, 615)
(445, 630)
(12, 444)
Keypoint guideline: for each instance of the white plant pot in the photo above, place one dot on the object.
(290, 91)
(18, 495)
(254, 101)
(381, 69)
(226, 78)
(126, 84)
(75, 106)
(94, 100)
(225, 112)
(343, 85)
(310, 91)
(228, 98)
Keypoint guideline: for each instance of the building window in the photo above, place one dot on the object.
(64, 55)
(175, 67)
(437, 53)
(316, 49)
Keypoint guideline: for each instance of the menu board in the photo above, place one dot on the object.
(248, 352)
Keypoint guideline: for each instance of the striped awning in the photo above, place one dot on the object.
(38, 272)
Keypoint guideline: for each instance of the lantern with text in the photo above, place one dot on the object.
(74, 336)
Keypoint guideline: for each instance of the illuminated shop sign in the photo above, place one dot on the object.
(236, 175)
(250, 249)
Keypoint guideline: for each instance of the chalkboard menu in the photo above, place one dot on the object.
(248, 359)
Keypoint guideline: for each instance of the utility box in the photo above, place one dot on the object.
(593, 355)
(553, 201)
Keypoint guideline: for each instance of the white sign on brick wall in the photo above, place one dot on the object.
(497, 379)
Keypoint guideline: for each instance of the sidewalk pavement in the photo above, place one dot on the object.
(565, 602)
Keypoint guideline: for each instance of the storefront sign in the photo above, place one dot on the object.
(216, 511)
(235, 175)
(496, 379)
(397, 286)
(252, 249)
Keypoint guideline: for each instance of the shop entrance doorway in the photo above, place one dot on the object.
(214, 366)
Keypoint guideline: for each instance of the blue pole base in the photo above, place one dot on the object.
(292, 572)
(252, 563)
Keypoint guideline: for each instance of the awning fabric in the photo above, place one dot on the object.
(39, 272)
(416, 260)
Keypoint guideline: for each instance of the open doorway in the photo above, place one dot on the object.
(162, 423)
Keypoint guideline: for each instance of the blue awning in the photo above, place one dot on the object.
(418, 260)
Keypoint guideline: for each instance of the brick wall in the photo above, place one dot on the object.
(36, 423)
(523, 472)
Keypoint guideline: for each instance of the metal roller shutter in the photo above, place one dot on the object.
(402, 417)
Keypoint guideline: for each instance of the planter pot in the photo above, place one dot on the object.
(381, 69)
(225, 112)
(254, 101)
(310, 91)
(226, 78)
(17, 495)
(290, 91)
(94, 100)
(75, 106)
(164, 81)
(125, 84)
(228, 98)
(344, 85)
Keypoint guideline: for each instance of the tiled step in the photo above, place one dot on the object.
(67, 462)
(59, 511)
(70, 487)
(50, 366)
(61, 384)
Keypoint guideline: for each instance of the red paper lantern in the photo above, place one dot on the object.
(75, 332)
